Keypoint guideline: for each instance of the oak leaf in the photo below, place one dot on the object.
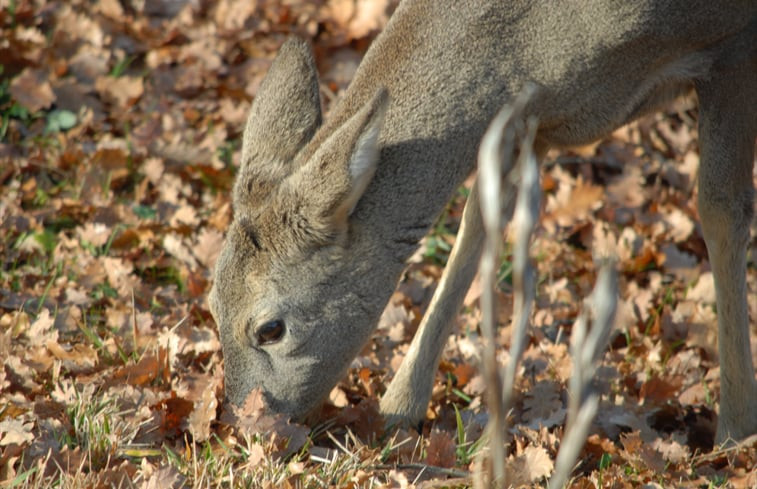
(122, 92)
(528, 467)
(15, 431)
(32, 90)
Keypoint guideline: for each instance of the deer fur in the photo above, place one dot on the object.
(327, 213)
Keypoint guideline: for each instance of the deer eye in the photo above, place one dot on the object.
(270, 332)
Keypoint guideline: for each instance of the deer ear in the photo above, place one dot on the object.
(330, 183)
(283, 118)
(286, 111)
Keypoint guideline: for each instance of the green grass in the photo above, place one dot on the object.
(164, 275)
(95, 428)
(121, 66)
(466, 449)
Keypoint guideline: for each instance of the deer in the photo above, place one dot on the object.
(327, 212)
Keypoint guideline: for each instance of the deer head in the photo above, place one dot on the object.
(288, 294)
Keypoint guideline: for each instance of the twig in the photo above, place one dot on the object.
(524, 220)
(588, 341)
(727, 447)
(425, 467)
(445, 483)
(134, 328)
(496, 156)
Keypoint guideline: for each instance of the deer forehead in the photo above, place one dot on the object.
(264, 272)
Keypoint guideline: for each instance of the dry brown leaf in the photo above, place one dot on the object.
(441, 450)
(672, 450)
(69, 460)
(628, 190)
(16, 431)
(338, 398)
(122, 92)
(746, 480)
(658, 389)
(203, 51)
(680, 225)
(253, 419)
(561, 361)
(94, 233)
(111, 8)
(364, 419)
(368, 16)
(704, 290)
(78, 357)
(204, 413)
(681, 263)
(598, 445)
(166, 477)
(174, 245)
(197, 341)
(395, 314)
(400, 480)
(32, 90)
(40, 331)
(208, 246)
(586, 150)
(694, 395)
(256, 455)
(571, 204)
(119, 274)
(234, 112)
(543, 405)
(464, 372)
(153, 169)
(112, 155)
(528, 467)
(641, 454)
(185, 214)
(148, 369)
(231, 15)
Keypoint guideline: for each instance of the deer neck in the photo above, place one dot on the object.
(437, 113)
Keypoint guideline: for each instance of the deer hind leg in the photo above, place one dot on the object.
(727, 131)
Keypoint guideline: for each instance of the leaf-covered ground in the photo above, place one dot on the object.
(120, 126)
